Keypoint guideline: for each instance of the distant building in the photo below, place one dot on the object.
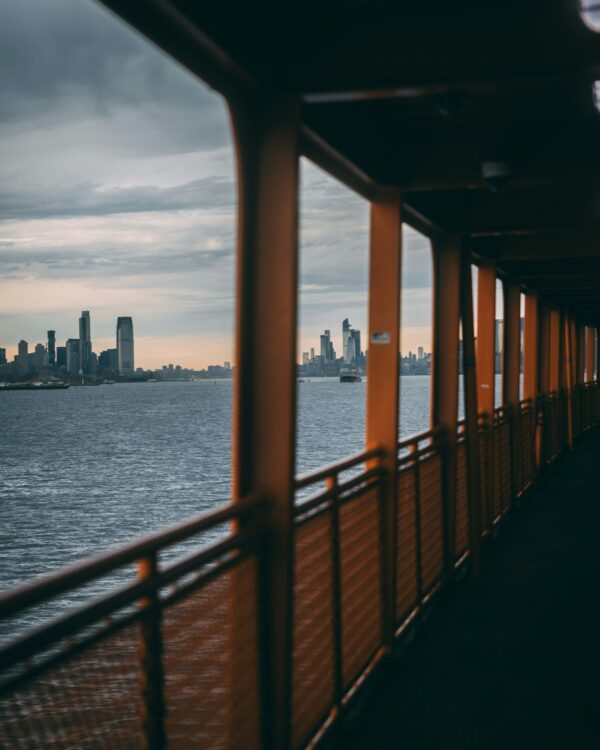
(39, 356)
(72, 356)
(108, 360)
(351, 341)
(420, 352)
(345, 338)
(61, 356)
(305, 359)
(51, 348)
(227, 365)
(2, 356)
(85, 342)
(125, 346)
(23, 356)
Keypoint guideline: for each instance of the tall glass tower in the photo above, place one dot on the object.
(125, 346)
(52, 348)
(85, 342)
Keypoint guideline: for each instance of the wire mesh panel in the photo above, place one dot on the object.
(406, 545)
(517, 452)
(361, 581)
(431, 516)
(485, 480)
(527, 437)
(462, 501)
(313, 645)
(497, 474)
(92, 699)
(505, 464)
(210, 663)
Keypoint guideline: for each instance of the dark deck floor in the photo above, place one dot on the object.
(515, 664)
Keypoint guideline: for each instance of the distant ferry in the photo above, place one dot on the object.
(352, 376)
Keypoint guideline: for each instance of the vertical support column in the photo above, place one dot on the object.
(569, 370)
(530, 348)
(512, 335)
(383, 382)
(471, 436)
(444, 382)
(589, 358)
(554, 358)
(543, 427)
(581, 341)
(486, 372)
(267, 137)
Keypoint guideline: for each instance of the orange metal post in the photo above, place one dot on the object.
(569, 369)
(530, 347)
(512, 334)
(580, 365)
(444, 382)
(486, 370)
(267, 136)
(589, 355)
(383, 383)
(486, 332)
(554, 380)
(544, 350)
(471, 420)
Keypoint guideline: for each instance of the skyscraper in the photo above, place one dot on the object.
(23, 356)
(85, 342)
(51, 348)
(125, 345)
(345, 336)
(2, 356)
(72, 351)
(40, 353)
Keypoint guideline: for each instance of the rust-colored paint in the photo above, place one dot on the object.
(486, 366)
(554, 363)
(530, 347)
(589, 354)
(512, 314)
(568, 329)
(383, 383)
(444, 381)
(544, 350)
(581, 340)
(267, 140)
(486, 332)
(471, 418)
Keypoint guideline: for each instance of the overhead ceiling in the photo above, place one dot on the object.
(420, 94)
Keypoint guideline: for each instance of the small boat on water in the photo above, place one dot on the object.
(350, 376)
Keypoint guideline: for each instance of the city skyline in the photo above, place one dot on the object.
(117, 177)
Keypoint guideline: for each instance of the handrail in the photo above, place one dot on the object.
(434, 433)
(45, 587)
(336, 468)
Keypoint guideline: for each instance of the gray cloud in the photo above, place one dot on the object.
(38, 202)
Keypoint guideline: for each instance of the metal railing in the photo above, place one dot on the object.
(175, 656)
(338, 615)
(127, 667)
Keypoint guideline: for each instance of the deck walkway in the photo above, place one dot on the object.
(517, 663)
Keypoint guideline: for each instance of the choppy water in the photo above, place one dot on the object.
(89, 468)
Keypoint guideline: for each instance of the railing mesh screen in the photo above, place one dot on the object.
(406, 545)
(90, 700)
(432, 536)
(462, 502)
(210, 664)
(313, 649)
(361, 575)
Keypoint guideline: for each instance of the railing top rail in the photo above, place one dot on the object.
(336, 468)
(433, 433)
(44, 587)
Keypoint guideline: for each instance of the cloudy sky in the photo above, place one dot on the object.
(117, 195)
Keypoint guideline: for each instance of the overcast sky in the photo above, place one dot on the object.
(117, 196)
